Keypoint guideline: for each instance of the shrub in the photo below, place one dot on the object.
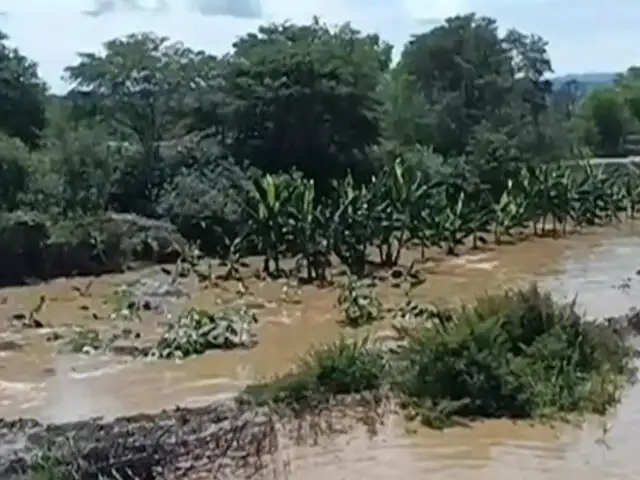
(205, 205)
(518, 354)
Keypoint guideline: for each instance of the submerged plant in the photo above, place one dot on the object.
(83, 340)
(197, 331)
(358, 303)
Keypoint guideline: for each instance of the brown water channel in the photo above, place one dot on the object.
(599, 266)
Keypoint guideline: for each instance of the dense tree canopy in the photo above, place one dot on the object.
(153, 127)
(305, 97)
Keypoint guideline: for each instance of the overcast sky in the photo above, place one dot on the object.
(584, 35)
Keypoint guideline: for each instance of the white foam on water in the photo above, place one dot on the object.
(215, 381)
(109, 369)
(17, 388)
(70, 398)
(483, 265)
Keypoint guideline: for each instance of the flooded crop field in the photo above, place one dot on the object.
(37, 380)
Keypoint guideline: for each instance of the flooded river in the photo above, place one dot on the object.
(599, 266)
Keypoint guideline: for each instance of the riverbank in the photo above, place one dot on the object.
(221, 439)
(41, 249)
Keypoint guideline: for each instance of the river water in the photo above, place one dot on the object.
(600, 267)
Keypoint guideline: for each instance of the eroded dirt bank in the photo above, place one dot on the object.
(221, 440)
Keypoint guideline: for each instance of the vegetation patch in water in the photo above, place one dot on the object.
(197, 331)
(358, 303)
(518, 354)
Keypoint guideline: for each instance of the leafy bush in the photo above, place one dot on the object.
(206, 205)
(517, 354)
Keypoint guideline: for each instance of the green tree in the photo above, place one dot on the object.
(22, 95)
(405, 114)
(305, 97)
(143, 89)
(629, 86)
(464, 71)
(608, 121)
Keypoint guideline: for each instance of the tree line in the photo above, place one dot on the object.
(158, 129)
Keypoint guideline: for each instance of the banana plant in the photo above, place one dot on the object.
(453, 224)
(420, 219)
(267, 205)
(308, 229)
(399, 192)
(562, 194)
(510, 212)
(547, 198)
(353, 224)
(592, 197)
(631, 187)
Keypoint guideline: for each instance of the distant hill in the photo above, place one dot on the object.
(588, 80)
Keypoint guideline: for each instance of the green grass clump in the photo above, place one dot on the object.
(518, 354)
(341, 368)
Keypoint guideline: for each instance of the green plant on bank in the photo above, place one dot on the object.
(341, 368)
(197, 331)
(308, 241)
(358, 302)
(353, 224)
(396, 193)
(631, 186)
(518, 354)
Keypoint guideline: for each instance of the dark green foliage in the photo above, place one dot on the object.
(518, 354)
(22, 96)
(304, 98)
(207, 203)
(15, 172)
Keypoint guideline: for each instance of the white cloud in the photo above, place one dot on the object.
(583, 34)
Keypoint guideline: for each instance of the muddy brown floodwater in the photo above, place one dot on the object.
(599, 266)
